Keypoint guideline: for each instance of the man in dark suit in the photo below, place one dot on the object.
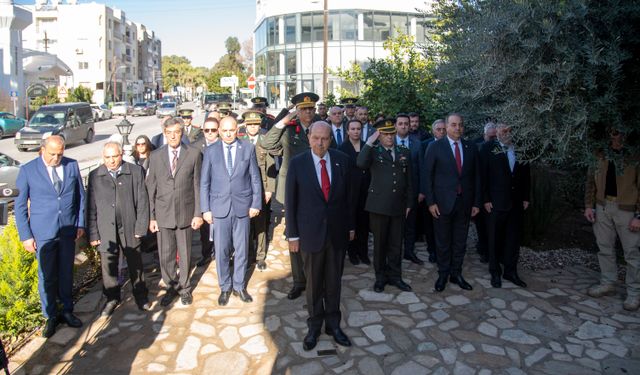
(258, 240)
(412, 144)
(160, 140)
(482, 246)
(49, 213)
(505, 185)
(362, 114)
(453, 196)
(117, 219)
(415, 129)
(319, 224)
(173, 183)
(210, 131)
(390, 199)
(289, 135)
(338, 133)
(230, 195)
(438, 130)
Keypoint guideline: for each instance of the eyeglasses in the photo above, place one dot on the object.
(210, 130)
(141, 144)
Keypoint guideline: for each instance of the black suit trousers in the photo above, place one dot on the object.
(410, 232)
(451, 232)
(429, 234)
(359, 247)
(110, 285)
(387, 246)
(259, 231)
(324, 274)
(503, 238)
(206, 244)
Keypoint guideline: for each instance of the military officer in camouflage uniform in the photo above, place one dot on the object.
(389, 200)
(290, 136)
(258, 241)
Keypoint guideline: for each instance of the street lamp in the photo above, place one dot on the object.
(124, 128)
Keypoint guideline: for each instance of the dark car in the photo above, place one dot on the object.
(72, 121)
(142, 109)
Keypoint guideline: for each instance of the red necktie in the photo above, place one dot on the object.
(324, 177)
(458, 163)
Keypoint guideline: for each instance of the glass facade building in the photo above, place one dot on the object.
(288, 47)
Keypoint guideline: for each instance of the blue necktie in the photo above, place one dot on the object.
(229, 160)
(339, 137)
(57, 183)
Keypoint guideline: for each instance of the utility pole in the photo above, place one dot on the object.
(325, 85)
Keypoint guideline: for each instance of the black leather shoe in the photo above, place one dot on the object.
(146, 306)
(354, 259)
(168, 298)
(224, 298)
(400, 285)
(441, 283)
(203, 262)
(71, 320)
(378, 286)
(50, 327)
(261, 265)
(432, 257)
(461, 282)
(338, 336)
(310, 340)
(496, 281)
(243, 295)
(516, 280)
(365, 260)
(295, 292)
(108, 308)
(414, 259)
(186, 298)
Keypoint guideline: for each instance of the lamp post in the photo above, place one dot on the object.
(124, 128)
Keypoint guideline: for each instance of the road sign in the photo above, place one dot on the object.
(229, 81)
(13, 94)
(62, 92)
(251, 82)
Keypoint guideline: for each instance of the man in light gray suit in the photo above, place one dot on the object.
(173, 183)
(230, 195)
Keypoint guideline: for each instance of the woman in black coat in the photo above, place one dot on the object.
(358, 248)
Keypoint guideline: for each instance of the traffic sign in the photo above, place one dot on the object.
(62, 92)
(13, 94)
(251, 82)
(229, 81)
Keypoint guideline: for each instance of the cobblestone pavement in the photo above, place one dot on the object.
(552, 327)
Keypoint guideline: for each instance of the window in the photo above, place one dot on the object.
(261, 64)
(261, 36)
(273, 61)
(368, 28)
(83, 65)
(306, 25)
(272, 30)
(399, 24)
(109, 45)
(421, 29)
(290, 59)
(100, 42)
(100, 20)
(318, 28)
(290, 29)
(348, 26)
(382, 24)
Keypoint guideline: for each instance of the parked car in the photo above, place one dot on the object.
(72, 121)
(10, 124)
(121, 109)
(101, 112)
(9, 169)
(154, 103)
(140, 109)
(167, 109)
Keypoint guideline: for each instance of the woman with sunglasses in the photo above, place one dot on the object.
(142, 150)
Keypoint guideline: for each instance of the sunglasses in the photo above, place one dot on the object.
(210, 130)
(141, 144)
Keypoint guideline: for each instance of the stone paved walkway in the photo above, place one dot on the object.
(552, 327)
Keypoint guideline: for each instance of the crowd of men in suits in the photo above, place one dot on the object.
(339, 177)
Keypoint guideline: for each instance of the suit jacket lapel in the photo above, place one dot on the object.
(181, 156)
(164, 156)
(335, 175)
(42, 168)
(313, 176)
(239, 150)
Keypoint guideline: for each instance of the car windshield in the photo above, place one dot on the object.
(47, 118)
(118, 104)
(5, 161)
(168, 105)
(140, 105)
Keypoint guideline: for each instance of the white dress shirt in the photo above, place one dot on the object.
(225, 148)
(399, 141)
(316, 163)
(334, 129)
(170, 150)
(453, 149)
(511, 155)
(59, 170)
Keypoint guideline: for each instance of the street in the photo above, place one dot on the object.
(89, 154)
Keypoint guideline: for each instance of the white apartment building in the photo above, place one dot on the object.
(98, 43)
(289, 40)
(149, 62)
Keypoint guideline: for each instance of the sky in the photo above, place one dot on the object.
(195, 29)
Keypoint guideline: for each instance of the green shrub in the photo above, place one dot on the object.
(19, 299)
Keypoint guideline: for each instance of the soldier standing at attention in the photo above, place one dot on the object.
(389, 201)
(291, 136)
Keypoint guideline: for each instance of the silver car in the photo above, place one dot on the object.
(121, 109)
(101, 112)
(167, 109)
(9, 169)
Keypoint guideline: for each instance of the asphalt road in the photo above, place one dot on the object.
(89, 154)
